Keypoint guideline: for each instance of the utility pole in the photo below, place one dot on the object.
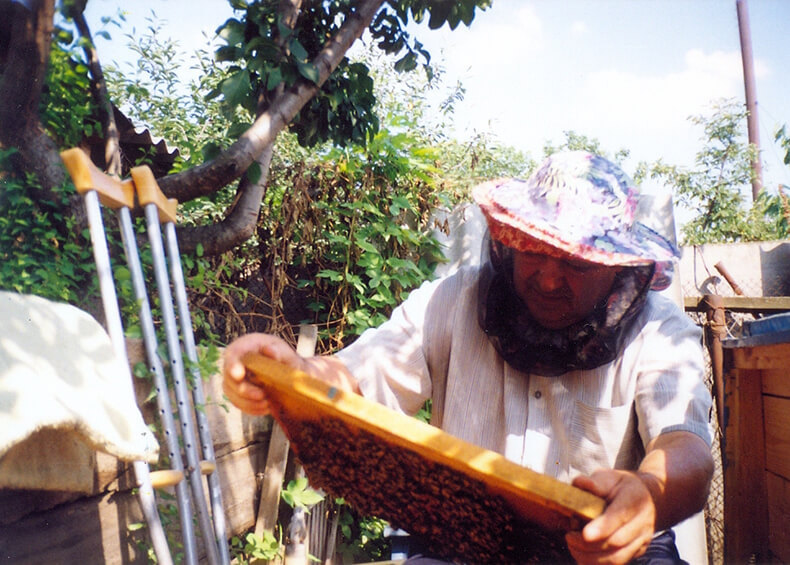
(751, 101)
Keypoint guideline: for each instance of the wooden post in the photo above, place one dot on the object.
(277, 458)
(745, 493)
(751, 93)
(716, 331)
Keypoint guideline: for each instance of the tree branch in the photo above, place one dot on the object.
(112, 147)
(231, 163)
(239, 223)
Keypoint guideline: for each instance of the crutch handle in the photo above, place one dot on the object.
(148, 192)
(166, 478)
(207, 467)
(86, 176)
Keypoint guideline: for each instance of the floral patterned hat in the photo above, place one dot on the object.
(578, 205)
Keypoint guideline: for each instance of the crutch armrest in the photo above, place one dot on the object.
(148, 192)
(87, 176)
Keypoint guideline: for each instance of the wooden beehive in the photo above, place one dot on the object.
(757, 447)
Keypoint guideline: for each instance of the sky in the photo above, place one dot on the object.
(629, 73)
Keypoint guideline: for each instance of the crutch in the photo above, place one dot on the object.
(97, 187)
(159, 209)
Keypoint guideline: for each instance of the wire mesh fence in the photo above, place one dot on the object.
(714, 508)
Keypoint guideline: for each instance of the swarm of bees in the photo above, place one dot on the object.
(454, 515)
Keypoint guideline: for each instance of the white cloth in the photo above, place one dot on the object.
(433, 347)
(63, 394)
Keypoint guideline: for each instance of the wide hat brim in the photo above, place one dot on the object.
(531, 228)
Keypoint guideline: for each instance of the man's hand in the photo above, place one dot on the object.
(251, 398)
(626, 527)
(672, 484)
(243, 393)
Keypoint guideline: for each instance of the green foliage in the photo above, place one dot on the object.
(714, 190)
(264, 54)
(35, 255)
(364, 240)
(783, 138)
(299, 494)
(579, 142)
(66, 111)
(363, 536)
(253, 548)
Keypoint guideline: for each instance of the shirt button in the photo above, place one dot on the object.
(538, 394)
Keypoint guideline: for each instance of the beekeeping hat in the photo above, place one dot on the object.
(578, 205)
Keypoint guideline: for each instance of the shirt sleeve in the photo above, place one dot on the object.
(671, 394)
(389, 361)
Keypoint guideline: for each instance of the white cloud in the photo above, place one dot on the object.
(579, 28)
(495, 43)
(661, 103)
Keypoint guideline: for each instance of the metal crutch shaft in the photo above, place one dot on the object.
(162, 395)
(199, 398)
(152, 215)
(149, 192)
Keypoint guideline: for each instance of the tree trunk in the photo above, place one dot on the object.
(25, 65)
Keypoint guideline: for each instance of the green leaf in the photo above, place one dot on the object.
(399, 203)
(232, 31)
(228, 53)
(440, 11)
(254, 173)
(308, 71)
(299, 493)
(236, 87)
(236, 129)
(274, 78)
(210, 150)
(365, 245)
(406, 63)
(334, 276)
(297, 50)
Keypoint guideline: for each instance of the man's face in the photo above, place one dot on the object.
(559, 292)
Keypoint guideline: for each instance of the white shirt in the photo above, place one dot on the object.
(433, 347)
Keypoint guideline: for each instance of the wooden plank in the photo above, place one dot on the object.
(777, 435)
(776, 356)
(237, 472)
(745, 519)
(98, 526)
(776, 382)
(747, 304)
(16, 504)
(90, 530)
(276, 462)
(231, 429)
(779, 516)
